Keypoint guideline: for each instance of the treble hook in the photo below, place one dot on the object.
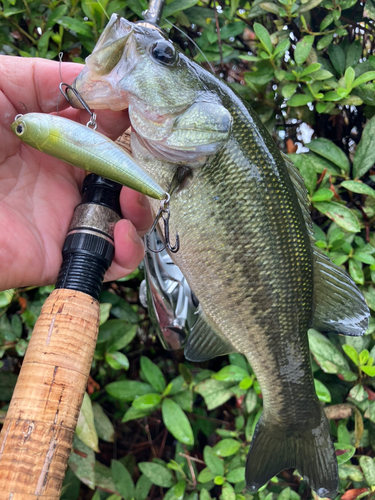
(165, 214)
(92, 122)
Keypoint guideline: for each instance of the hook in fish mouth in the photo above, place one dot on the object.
(92, 122)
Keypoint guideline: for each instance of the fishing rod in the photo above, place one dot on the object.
(38, 430)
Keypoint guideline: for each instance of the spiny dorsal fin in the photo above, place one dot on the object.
(204, 342)
(339, 306)
(301, 191)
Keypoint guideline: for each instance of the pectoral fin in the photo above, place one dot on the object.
(204, 342)
(338, 304)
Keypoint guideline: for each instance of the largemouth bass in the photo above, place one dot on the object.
(83, 147)
(247, 252)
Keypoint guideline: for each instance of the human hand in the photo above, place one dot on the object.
(38, 193)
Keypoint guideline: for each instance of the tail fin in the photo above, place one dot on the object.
(275, 448)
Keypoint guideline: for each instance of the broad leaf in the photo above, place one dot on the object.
(364, 157)
(177, 422)
(157, 474)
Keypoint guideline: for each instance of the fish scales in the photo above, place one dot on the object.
(241, 211)
(260, 280)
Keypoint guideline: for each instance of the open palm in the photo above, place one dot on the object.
(38, 193)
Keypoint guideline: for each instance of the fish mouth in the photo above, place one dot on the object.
(114, 56)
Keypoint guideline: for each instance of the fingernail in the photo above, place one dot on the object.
(133, 235)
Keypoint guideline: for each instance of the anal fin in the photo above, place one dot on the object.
(338, 304)
(204, 342)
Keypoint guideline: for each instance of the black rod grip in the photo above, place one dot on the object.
(89, 246)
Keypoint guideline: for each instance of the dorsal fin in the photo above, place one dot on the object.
(301, 191)
(204, 342)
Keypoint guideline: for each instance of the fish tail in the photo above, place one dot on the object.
(275, 447)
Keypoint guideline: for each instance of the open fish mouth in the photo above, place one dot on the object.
(113, 57)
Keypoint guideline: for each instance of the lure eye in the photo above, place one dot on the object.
(20, 129)
(163, 52)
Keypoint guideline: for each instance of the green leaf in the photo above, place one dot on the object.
(264, 37)
(205, 475)
(227, 492)
(227, 447)
(213, 462)
(326, 21)
(147, 402)
(57, 13)
(328, 357)
(340, 214)
(364, 157)
(352, 353)
(142, 488)
(299, 100)
(309, 5)
(349, 77)
(364, 257)
(329, 150)
(231, 373)
(214, 392)
(368, 467)
(260, 77)
(103, 425)
(324, 41)
(104, 312)
(356, 271)
(358, 187)
(303, 49)
(70, 23)
(135, 413)
(322, 392)
(281, 48)
(364, 356)
(153, 374)
(85, 426)
(117, 360)
(364, 78)
(236, 475)
(232, 30)
(346, 451)
(6, 297)
(337, 56)
(322, 194)
(157, 474)
(82, 462)
(312, 68)
(127, 390)
(177, 422)
(176, 492)
(176, 6)
(353, 54)
(289, 89)
(369, 370)
(269, 7)
(118, 333)
(321, 74)
(122, 479)
(349, 471)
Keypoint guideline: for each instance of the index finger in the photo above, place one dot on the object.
(35, 82)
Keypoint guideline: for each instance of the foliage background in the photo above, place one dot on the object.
(153, 425)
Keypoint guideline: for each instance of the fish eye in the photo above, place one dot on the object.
(163, 52)
(20, 129)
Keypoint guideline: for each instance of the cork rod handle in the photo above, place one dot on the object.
(38, 431)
